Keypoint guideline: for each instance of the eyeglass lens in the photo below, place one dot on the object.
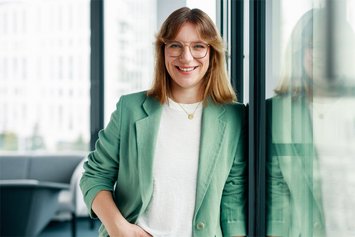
(197, 49)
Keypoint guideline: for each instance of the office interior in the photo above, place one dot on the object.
(65, 63)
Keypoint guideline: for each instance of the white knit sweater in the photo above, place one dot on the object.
(170, 211)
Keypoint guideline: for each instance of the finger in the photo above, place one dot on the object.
(146, 234)
(143, 232)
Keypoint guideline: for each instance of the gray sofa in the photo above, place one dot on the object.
(30, 186)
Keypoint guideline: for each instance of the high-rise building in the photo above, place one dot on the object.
(129, 48)
(44, 74)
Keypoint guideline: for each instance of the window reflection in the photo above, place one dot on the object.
(311, 132)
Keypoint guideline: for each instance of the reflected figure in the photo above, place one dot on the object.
(294, 200)
(311, 132)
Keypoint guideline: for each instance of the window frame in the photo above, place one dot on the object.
(96, 70)
(257, 120)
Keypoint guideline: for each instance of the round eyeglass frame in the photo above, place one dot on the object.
(186, 44)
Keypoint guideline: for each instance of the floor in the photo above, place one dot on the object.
(62, 229)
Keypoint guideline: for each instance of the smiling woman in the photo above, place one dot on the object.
(186, 29)
(152, 157)
(185, 69)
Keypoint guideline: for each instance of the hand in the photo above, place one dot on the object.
(130, 230)
(137, 231)
(116, 225)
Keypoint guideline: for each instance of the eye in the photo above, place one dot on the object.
(174, 45)
(199, 46)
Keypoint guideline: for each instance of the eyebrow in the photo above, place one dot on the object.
(198, 41)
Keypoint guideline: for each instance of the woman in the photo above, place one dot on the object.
(310, 160)
(170, 162)
(294, 199)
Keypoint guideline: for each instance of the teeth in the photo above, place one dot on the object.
(187, 69)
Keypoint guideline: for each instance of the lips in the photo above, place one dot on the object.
(186, 69)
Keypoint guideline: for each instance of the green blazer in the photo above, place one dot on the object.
(123, 158)
(294, 204)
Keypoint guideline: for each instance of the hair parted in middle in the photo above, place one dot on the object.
(216, 83)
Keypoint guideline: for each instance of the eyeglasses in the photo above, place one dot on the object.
(197, 49)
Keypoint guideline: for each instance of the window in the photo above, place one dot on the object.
(310, 118)
(129, 39)
(37, 61)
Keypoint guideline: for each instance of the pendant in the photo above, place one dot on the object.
(190, 116)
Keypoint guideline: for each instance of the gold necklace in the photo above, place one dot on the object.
(190, 116)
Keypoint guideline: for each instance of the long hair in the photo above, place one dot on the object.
(216, 83)
(307, 32)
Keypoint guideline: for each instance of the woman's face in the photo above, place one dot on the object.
(187, 72)
(315, 63)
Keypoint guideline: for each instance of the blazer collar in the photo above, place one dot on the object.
(146, 135)
(212, 131)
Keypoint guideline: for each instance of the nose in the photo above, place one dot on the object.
(186, 55)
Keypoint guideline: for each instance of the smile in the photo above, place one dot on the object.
(186, 69)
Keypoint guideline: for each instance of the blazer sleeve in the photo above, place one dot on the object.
(277, 191)
(101, 168)
(233, 201)
(277, 199)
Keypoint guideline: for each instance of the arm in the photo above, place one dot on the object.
(101, 168)
(233, 201)
(115, 224)
(277, 191)
(100, 175)
(277, 199)
(233, 198)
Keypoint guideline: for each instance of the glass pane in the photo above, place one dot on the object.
(311, 118)
(44, 75)
(130, 26)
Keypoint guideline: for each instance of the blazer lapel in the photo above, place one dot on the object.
(212, 131)
(146, 134)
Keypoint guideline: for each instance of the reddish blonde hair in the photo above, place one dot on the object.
(216, 84)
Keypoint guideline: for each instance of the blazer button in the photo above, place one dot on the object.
(200, 226)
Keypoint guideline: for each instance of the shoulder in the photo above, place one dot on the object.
(235, 109)
(234, 114)
(235, 117)
(136, 105)
(133, 98)
(285, 100)
(130, 104)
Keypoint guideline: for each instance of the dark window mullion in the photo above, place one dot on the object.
(257, 169)
(96, 69)
(237, 45)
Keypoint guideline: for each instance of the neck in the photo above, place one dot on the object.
(186, 97)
